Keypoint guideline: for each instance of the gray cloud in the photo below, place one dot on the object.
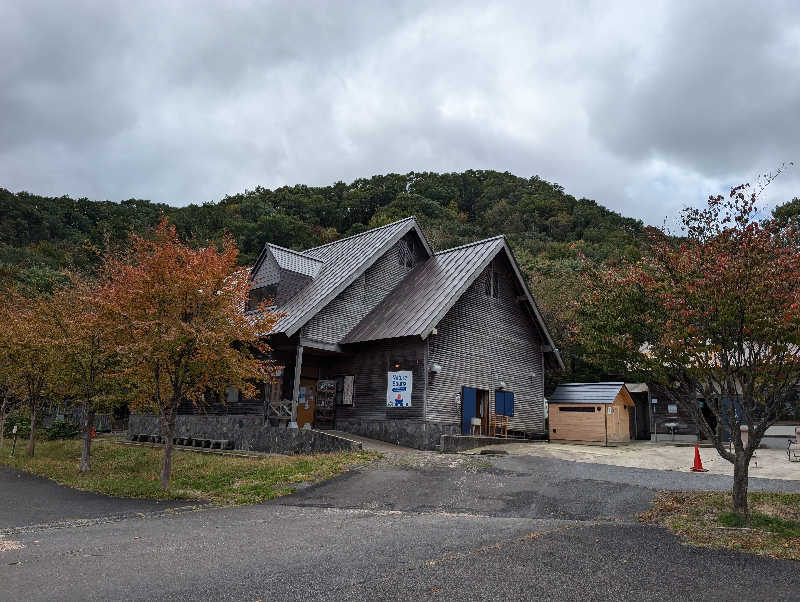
(643, 108)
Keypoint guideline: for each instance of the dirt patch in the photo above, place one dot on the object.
(706, 519)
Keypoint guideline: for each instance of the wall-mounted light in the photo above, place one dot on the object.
(436, 368)
(501, 384)
(397, 366)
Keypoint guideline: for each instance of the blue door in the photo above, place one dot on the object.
(469, 406)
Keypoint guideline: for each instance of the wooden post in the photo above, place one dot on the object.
(298, 366)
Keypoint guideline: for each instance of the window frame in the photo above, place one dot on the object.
(272, 293)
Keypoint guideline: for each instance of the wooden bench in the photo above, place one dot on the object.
(498, 423)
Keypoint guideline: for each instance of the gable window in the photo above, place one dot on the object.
(492, 282)
(262, 293)
(405, 254)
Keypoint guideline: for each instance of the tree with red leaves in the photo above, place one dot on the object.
(712, 316)
(177, 317)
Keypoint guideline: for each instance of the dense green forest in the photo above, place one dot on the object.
(40, 236)
(546, 227)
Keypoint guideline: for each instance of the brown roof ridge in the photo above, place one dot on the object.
(338, 240)
(470, 244)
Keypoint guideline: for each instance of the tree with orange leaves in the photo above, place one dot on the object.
(177, 318)
(9, 393)
(30, 353)
(713, 317)
(87, 360)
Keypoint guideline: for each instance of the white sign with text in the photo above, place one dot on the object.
(398, 390)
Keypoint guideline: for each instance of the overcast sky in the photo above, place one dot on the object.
(642, 106)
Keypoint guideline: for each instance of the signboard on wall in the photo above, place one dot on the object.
(398, 390)
(347, 392)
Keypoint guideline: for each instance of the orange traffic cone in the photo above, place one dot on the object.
(698, 463)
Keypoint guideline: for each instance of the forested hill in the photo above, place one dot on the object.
(39, 235)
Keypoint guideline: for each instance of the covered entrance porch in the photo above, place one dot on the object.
(305, 392)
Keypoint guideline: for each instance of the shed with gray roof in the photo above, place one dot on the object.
(595, 412)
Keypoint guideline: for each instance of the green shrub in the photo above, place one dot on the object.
(23, 423)
(61, 429)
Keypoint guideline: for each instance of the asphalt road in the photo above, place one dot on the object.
(523, 527)
(29, 500)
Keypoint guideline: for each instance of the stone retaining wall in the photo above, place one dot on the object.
(248, 433)
(408, 433)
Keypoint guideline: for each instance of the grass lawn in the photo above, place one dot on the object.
(128, 471)
(706, 519)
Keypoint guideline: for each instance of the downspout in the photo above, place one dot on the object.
(298, 366)
(425, 386)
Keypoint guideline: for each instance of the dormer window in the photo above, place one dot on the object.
(405, 254)
(260, 294)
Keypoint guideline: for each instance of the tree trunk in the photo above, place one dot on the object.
(166, 466)
(32, 439)
(86, 451)
(3, 415)
(740, 482)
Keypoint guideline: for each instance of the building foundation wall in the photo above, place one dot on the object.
(248, 433)
(408, 433)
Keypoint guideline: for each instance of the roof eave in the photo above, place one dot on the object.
(531, 300)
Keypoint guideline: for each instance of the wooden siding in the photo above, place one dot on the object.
(566, 425)
(481, 341)
(268, 272)
(619, 421)
(289, 282)
(370, 364)
(577, 425)
(339, 317)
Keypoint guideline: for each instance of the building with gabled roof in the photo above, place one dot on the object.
(599, 412)
(380, 336)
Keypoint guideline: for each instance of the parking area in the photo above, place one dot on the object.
(767, 463)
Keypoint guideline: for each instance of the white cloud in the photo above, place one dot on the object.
(641, 106)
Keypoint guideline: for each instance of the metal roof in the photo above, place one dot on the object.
(295, 261)
(343, 261)
(586, 393)
(428, 292)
